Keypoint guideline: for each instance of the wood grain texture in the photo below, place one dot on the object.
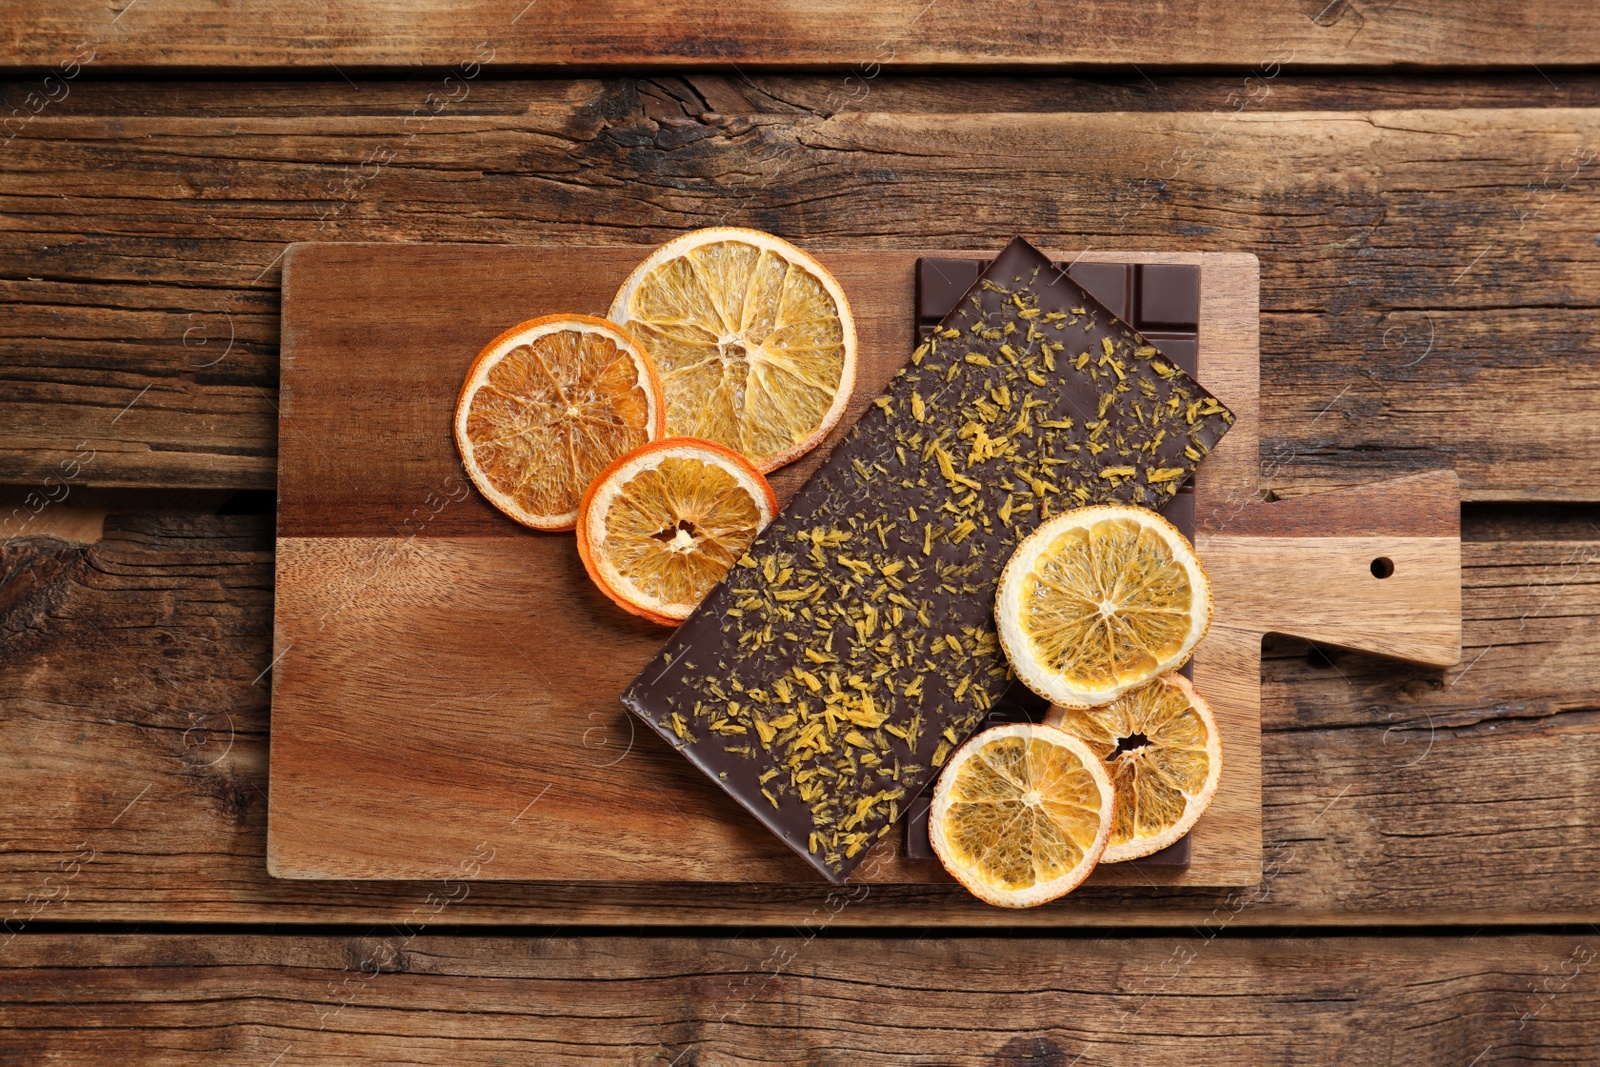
(446, 684)
(134, 731)
(1375, 568)
(1119, 35)
(405, 996)
(1386, 347)
(1323, 590)
(1409, 256)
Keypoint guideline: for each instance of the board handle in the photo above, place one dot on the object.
(1376, 568)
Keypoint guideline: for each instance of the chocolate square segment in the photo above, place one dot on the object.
(940, 283)
(1109, 283)
(845, 656)
(1181, 348)
(1169, 296)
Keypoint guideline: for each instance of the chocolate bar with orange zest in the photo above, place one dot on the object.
(1162, 302)
(845, 656)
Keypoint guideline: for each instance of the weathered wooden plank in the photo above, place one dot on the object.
(133, 740)
(1119, 35)
(1427, 276)
(406, 996)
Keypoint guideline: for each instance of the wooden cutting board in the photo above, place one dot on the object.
(445, 682)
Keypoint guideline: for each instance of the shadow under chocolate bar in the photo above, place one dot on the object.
(1162, 302)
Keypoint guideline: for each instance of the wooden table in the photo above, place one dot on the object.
(1421, 190)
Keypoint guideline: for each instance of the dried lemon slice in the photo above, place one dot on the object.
(1101, 600)
(753, 338)
(1021, 814)
(546, 405)
(1161, 748)
(662, 525)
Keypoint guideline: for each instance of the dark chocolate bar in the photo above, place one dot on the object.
(833, 671)
(1162, 302)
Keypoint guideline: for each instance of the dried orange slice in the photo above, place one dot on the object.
(662, 525)
(1021, 814)
(1101, 600)
(753, 338)
(546, 406)
(1161, 747)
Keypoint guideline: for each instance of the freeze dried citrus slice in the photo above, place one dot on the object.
(1161, 747)
(662, 525)
(1021, 814)
(1098, 601)
(546, 405)
(753, 338)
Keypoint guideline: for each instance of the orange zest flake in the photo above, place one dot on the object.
(764, 729)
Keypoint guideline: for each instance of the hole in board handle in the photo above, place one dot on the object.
(1382, 567)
